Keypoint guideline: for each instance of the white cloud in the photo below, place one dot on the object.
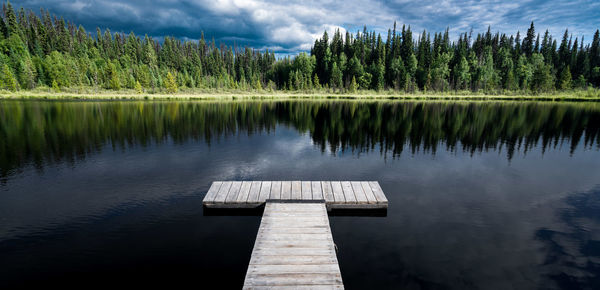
(294, 25)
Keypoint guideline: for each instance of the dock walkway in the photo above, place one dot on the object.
(294, 248)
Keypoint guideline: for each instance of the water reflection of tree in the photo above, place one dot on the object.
(42, 132)
(573, 247)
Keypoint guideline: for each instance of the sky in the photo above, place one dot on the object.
(289, 27)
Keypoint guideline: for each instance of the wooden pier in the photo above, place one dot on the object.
(336, 194)
(294, 248)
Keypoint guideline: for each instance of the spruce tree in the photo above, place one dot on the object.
(527, 46)
(138, 88)
(564, 82)
(353, 86)
(171, 83)
(7, 79)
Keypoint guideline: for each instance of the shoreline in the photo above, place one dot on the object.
(575, 96)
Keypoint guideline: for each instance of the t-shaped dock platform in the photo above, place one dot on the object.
(294, 247)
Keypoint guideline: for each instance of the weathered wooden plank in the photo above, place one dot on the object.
(265, 191)
(301, 221)
(338, 192)
(275, 190)
(296, 190)
(307, 230)
(295, 206)
(212, 191)
(293, 268)
(286, 190)
(368, 192)
(233, 191)
(281, 217)
(254, 192)
(292, 260)
(292, 244)
(306, 190)
(297, 287)
(358, 192)
(244, 192)
(327, 191)
(317, 190)
(293, 252)
(290, 214)
(287, 212)
(284, 236)
(223, 191)
(288, 279)
(348, 192)
(378, 192)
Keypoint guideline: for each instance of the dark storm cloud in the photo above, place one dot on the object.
(291, 26)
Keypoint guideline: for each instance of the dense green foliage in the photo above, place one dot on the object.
(66, 131)
(44, 51)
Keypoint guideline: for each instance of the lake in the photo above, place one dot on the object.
(482, 195)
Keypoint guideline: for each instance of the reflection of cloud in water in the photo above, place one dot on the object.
(114, 181)
(572, 246)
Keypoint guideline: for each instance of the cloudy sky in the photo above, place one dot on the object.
(291, 26)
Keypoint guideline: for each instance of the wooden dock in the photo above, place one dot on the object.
(336, 194)
(294, 249)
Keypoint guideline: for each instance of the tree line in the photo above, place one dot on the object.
(48, 52)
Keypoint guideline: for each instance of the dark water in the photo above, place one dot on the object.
(482, 195)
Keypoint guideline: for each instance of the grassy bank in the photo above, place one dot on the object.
(93, 94)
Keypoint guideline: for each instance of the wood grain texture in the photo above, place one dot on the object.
(368, 192)
(286, 190)
(212, 191)
(358, 192)
(317, 190)
(244, 192)
(306, 190)
(296, 190)
(338, 192)
(327, 191)
(265, 191)
(223, 191)
(348, 192)
(378, 192)
(254, 192)
(275, 190)
(234, 190)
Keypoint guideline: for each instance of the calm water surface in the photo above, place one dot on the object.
(482, 195)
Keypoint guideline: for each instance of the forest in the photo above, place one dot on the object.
(43, 51)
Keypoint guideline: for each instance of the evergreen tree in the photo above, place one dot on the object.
(138, 87)
(463, 74)
(55, 86)
(527, 46)
(564, 82)
(171, 84)
(542, 80)
(594, 59)
(336, 77)
(7, 79)
(353, 85)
